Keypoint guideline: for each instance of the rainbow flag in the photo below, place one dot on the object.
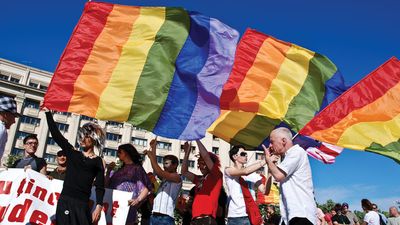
(366, 117)
(273, 83)
(159, 68)
(271, 198)
(280, 80)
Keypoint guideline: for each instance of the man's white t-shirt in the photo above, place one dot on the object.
(372, 218)
(236, 204)
(296, 190)
(166, 197)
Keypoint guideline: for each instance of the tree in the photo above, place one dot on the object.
(328, 206)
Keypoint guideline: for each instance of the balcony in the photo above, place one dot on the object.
(31, 112)
(29, 128)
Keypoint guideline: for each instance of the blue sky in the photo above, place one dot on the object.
(356, 35)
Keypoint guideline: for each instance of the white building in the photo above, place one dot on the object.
(28, 86)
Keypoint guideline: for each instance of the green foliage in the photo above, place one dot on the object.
(11, 160)
(359, 214)
(178, 217)
(327, 206)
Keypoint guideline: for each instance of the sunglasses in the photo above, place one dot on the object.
(243, 154)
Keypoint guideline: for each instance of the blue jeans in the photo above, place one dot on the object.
(161, 220)
(238, 220)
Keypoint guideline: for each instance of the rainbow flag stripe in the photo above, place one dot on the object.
(273, 83)
(159, 68)
(366, 117)
(280, 80)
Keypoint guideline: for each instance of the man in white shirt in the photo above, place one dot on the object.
(8, 112)
(236, 204)
(294, 174)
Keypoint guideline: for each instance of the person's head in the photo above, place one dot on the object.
(338, 208)
(366, 205)
(238, 154)
(128, 152)
(333, 212)
(270, 209)
(280, 140)
(375, 207)
(170, 163)
(8, 111)
(31, 143)
(91, 136)
(61, 158)
(201, 164)
(393, 212)
(345, 207)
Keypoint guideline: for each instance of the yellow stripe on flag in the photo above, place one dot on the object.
(116, 100)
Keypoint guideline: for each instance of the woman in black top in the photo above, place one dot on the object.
(83, 168)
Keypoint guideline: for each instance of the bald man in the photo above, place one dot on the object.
(394, 218)
(297, 202)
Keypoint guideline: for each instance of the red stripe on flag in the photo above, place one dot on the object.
(244, 59)
(75, 55)
(366, 91)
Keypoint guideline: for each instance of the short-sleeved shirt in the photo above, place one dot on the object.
(340, 219)
(394, 220)
(236, 203)
(372, 218)
(207, 192)
(56, 175)
(35, 162)
(352, 217)
(296, 190)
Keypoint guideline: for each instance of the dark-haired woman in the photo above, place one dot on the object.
(84, 168)
(130, 177)
(371, 217)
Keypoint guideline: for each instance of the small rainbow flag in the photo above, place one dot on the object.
(273, 83)
(159, 68)
(280, 80)
(366, 117)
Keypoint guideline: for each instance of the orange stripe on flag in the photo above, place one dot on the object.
(98, 69)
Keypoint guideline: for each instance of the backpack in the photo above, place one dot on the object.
(381, 221)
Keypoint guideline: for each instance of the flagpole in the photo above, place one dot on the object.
(295, 136)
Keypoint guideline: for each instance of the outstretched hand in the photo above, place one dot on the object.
(151, 153)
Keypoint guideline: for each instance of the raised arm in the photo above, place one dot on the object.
(55, 133)
(184, 170)
(204, 155)
(151, 153)
(233, 171)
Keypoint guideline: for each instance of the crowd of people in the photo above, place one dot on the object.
(207, 203)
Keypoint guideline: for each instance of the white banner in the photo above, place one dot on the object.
(29, 197)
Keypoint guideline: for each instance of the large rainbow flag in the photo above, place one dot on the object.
(273, 83)
(366, 117)
(159, 68)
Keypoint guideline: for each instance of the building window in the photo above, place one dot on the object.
(110, 152)
(14, 80)
(21, 135)
(29, 103)
(43, 87)
(259, 156)
(88, 118)
(215, 150)
(160, 159)
(164, 145)
(17, 151)
(4, 77)
(193, 148)
(62, 127)
(215, 138)
(190, 163)
(30, 120)
(34, 85)
(139, 141)
(50, 158)
(115, 124)
(114, 137)
(63, 113)
(50, 141)
(138, 129)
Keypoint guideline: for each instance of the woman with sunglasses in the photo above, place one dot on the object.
(130, 177)
(84, 169)
(236, 176)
